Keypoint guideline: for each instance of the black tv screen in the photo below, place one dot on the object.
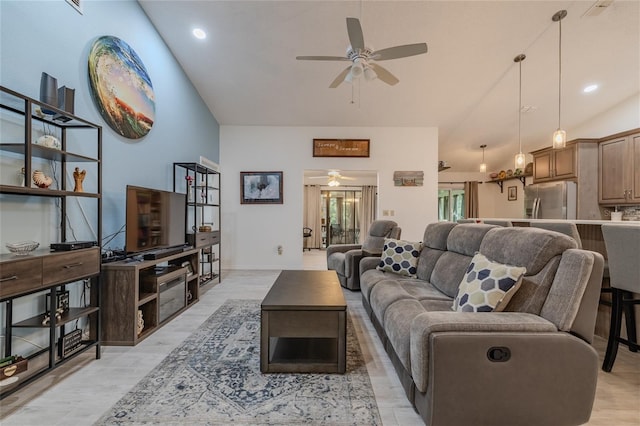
(155, 219)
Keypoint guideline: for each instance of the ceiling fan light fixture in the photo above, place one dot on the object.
(369, 74)
(357, 69)
(348, 78)
(333, 182)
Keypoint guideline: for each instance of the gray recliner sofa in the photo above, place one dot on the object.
(345, 258)
(531, 364)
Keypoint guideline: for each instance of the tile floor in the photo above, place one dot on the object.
(80, 393)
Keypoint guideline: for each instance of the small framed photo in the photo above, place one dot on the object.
(512, 193)
(261, 188)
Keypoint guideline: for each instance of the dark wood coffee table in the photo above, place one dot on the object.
(303, 324)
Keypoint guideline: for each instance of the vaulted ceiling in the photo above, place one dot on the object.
(466, 85)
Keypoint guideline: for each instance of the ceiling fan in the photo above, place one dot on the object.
(364, 59)
(333, 178)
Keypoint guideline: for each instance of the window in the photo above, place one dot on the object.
(450, 204)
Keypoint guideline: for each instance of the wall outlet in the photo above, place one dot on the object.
(385, 212)
(280, 250)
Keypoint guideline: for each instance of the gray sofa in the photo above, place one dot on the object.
(531, 364)
(345, 258)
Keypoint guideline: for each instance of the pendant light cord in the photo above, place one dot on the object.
(520, 108)
(559, 72)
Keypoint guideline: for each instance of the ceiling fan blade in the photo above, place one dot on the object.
(340, 78)
(346, 177)
(399, 51)
(355, 33)
(384, 75)
(322, 58)
(316, 177)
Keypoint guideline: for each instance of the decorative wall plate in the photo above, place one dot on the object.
(121, 87)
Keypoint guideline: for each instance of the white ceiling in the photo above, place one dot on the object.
(466, 85)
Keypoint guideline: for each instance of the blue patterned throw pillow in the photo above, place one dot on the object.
(487, 286)
(400, 257)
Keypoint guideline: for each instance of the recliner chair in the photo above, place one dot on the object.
(345, 258)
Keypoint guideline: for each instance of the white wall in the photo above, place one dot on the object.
(252, 233)
(622, 117)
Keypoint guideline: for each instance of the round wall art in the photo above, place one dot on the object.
(121, 87)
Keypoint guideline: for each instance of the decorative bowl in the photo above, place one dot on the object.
(23, 247)
(493, 175)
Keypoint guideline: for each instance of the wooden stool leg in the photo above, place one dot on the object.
(630, 321)
(614, 330)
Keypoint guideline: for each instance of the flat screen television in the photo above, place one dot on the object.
(155, 219)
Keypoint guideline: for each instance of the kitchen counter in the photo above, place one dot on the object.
(576, 221)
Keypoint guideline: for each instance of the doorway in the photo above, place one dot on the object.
(337, 205)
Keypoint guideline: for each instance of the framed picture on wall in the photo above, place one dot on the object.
(261, 188)
(512, 193)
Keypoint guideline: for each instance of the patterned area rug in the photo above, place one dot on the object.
(214, 378)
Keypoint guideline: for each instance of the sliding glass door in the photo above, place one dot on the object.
(341, 216)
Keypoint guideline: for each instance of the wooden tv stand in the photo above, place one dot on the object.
(161, 289)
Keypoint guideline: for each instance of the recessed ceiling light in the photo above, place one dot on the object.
(199, 34)
(590, 88)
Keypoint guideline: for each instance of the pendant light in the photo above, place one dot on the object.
(483, 165)
(559, 136)
(520, 158)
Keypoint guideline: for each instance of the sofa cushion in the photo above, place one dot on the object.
(532, 248)
(463, 242)
(435, 243)
(487, 286)
(400, 257)
(389, 291)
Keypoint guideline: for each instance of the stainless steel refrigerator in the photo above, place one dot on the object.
(553, 200)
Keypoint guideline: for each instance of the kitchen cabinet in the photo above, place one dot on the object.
(619, 169)
(577, 162)
(555, 164)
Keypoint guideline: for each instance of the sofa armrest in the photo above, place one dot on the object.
(367, 263)
(524, 378)
(341, 248)
(425, 325)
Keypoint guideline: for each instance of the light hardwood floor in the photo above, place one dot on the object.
(80, 393)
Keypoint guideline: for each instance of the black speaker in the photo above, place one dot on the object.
(48, 91)
(65, 99)
(65, 102)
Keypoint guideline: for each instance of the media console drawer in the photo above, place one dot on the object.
(20, 276)
(69, 266)
(203, 239)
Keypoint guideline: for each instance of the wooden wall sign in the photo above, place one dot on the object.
(341, 147)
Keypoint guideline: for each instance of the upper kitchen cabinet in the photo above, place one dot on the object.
(619, 169)
(555, 164)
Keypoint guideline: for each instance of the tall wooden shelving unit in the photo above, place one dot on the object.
(34, 280)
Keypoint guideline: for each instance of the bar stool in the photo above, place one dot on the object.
(623, 250)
